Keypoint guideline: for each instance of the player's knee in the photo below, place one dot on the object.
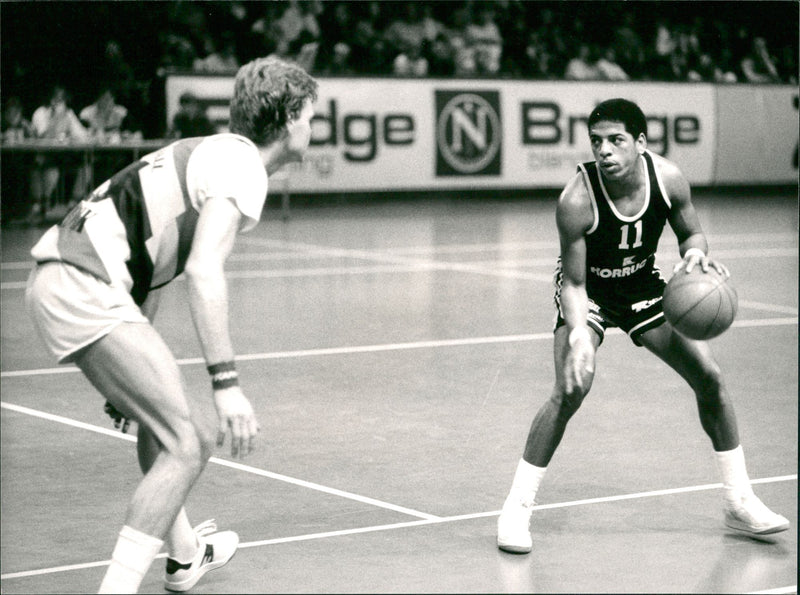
(568, 402)
(709, 382)
(187, 445)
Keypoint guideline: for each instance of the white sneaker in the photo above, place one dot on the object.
(750, 515)
(513, 526)
(215, 550)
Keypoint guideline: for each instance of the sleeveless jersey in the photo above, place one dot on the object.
(620, 250)
(137, 228)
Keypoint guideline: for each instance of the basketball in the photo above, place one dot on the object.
(700, 305)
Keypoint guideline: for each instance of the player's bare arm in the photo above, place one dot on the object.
(684, 221)
(208, 301)
(574, 216)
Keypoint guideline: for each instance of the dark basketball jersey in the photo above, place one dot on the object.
(620, 250)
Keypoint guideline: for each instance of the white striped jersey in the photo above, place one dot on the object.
(137, 228)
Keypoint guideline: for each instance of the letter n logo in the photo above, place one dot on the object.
(468, 133)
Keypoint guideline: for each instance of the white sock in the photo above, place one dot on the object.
(132, 556)
(526, 483)
(732, 470)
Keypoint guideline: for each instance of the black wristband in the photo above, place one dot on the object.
(223, 375)
(214, 369)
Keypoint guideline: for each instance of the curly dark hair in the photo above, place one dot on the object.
(267, 92)
(620, 110)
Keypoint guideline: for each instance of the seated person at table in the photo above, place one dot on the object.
(108, 123)
(14, 125)
(105, 117)
(56, 121)
(191, 119)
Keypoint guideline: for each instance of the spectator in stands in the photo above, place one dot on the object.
(177, 53)
(405, 31)
(515, 32)
(57, 121)
(290, 30)
(439, 53)
(704, 69)
(483, 35)
(757, 65)
(410, 61)
(190, 21)
(431, 26)
(463, 52)
(583, 66)
(368, 51)
(336, 32)
(628, 46)
(107, 122)
(104, 118)
(338, 63)
(724, 70)
(537, 59)
(191, 119)
(608, 68)
(223, 59)
(14, 125)
(553, 37)
(303, 51)
(661, 52)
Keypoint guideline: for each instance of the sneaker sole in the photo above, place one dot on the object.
(742, 528)
(514, 548)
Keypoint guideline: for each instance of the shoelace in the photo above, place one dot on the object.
(206, 528)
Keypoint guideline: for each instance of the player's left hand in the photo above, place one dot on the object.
(691, 260)
(120, 421)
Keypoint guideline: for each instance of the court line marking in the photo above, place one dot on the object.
(453, 248)
(225, 463)
(425, 522)
(402, 263)
(549, 260)
(71, 369)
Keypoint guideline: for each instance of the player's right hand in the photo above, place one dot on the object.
(236, 414)
(579, 363)
(120, 421)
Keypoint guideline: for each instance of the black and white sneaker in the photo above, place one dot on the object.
(215, 550)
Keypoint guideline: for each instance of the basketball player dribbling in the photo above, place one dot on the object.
(610, 217)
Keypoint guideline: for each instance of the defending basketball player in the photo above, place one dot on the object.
(93, 295)
(610, 217)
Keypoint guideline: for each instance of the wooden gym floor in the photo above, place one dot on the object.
(396, 352)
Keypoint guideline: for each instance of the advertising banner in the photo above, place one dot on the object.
(758, 135)
(426, 134)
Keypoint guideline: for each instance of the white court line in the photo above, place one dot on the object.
(70, 369)
(425, 522)
(779, 590)
(302, 251)
(225, 463)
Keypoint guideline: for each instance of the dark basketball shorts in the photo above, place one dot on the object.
(635, 312)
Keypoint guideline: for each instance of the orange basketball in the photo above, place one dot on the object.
(700, 305)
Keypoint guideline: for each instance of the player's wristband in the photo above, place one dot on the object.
(577, 333)
(223, 375)
(694, 252)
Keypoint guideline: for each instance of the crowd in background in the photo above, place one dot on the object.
(129, 47)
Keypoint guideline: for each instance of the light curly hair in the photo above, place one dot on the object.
(267, 92)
